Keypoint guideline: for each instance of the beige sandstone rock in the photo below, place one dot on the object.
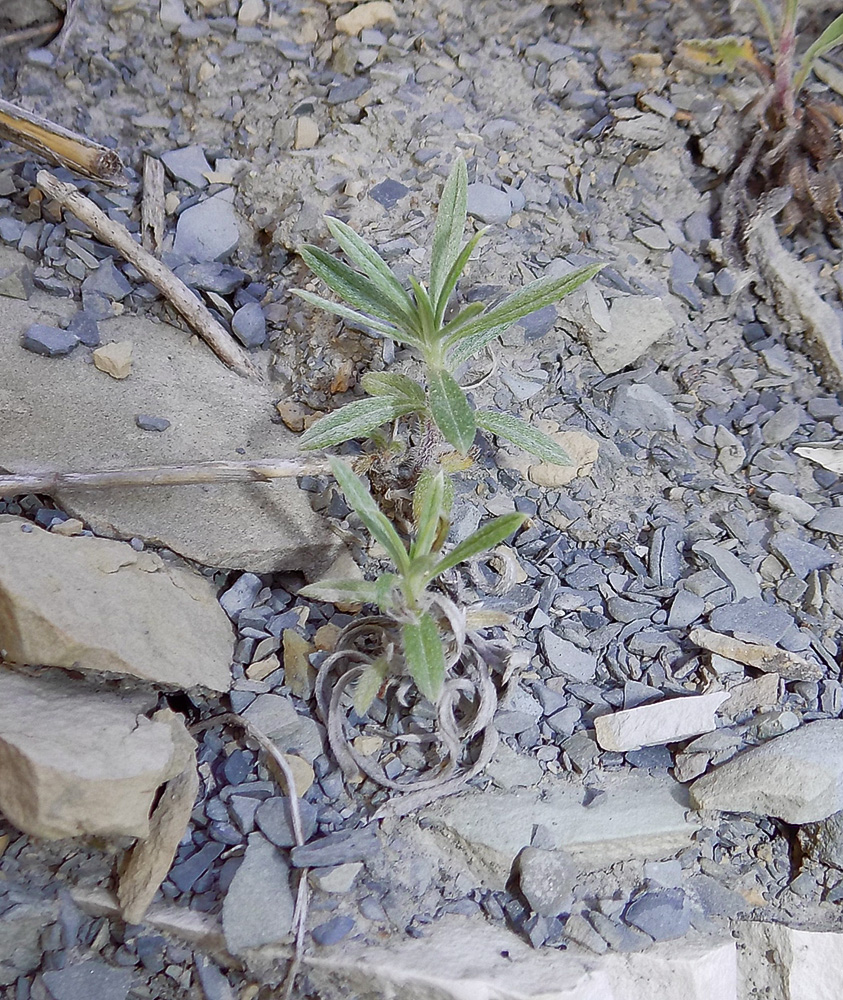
(115, 359)
(77, 761)
(764, 657)
(93, 604)
(366, 15)
(582, 449)
(298, 673)
(307, 135)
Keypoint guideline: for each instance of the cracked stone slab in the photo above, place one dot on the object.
(262, 527)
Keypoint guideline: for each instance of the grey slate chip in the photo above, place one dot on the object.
(333, 930)
(249, 325)
(48, 340)
(11, 230)
(148, 423)
(662, 914)
(766, 621)
(488, 204)
(208, 231)
(87, 981)
(389, 192)
(241, 594)
(187, 164)
(337, 849)
(185, 873)
(211, 276)
(802, 557)
(85, 329)
(107, 281)
(16, 282)
(275, 821)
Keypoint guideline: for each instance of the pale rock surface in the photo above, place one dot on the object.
(261, 527)
(783, 963)
(582, 449)
(824, 840)
(258, 907)
(87, 603)
(659, 722)
(641, 816)
(637, 322)
(762, 656)
(366, 15)
(797, 777)
(460, 960)
(75, 761)
(547, 880)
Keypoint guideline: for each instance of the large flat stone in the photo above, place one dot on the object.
(462, 960)
(94, 604)
(641, 816)
(76, 761)
(797, 777)
(61, 413)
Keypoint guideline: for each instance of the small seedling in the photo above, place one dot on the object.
(373, 298)
(405, 595)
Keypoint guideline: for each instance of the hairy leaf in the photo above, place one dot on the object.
(357, 419)
(368, 684)
(471, 344)
(536, 295)
(429, 492)
(450, 283)
(523, 434)
(451, 410)
(424, 656)
(425, 310)
(342, 591)
(394, 385)
(376, 523)
(484, 538)
(338, 309)
(354, 288)
(828, 40)
(450, 225)
(369, 261)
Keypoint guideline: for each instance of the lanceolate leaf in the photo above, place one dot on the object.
(450, 225)
(353, 420)
(451, 410)
(354, 288)
(338, 309)
(342, 591)
(424, 656)
(393, 384)
(828, 40)
(425, 310)
(536, 295)
(472, 344)
(430, 491)
(440, 302)
(377, 524)
(523, 434)
(369, 261)
(484, 538)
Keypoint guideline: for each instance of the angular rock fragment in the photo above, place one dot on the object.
(547, 880)
(768, 658)
(76, 761)
(49, 341)
(93, 604)
(566, 659)
(115, 359)
(208, 231)
(797, 777)
(660, 722)
(258, 907)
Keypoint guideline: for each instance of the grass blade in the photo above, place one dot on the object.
(484, 538)
(828, 40)
(353, 287)
(424, 656)
(366, 259)
(394, 385)
(376, 522)
(440, 301)
(536, 295)
(523, 434)
(450, 225)
(353, 420)
(451, 410)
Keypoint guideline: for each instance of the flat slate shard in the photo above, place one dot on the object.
(566, 659)
(88, 980)
(743, 580)
(797, 777)
(258, 907)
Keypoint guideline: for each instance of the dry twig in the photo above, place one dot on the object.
(30, 34)
(172, 288)
(259, 471)
(152, 207)
(59, 144)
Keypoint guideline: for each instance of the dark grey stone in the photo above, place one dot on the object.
(84, 328)
(16, 282)
(639, 407)
(716, 899)
(214, 984)
(184, 874)
(88, 980)
(665, 559)
(208, 231)
(662, 914)
(337, 849)
(107, 281)
(539, 323)
(389, 192)
(211, 276)
(829, 520)
(275, 820)
(802, 557)
(48, 340)
(148, 423)
(725, 281)
(741, 577)
(249, 325)
(187, 164)
(241, 594)
(685, 609)
(11, 230)
(332, 931)
(259, 904)
(242, 809)
(766, 621)
(350, 90)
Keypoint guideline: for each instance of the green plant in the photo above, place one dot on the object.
(405, 595)
(374, 298)
(793, 142)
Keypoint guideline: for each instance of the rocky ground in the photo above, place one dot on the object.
(664, 814)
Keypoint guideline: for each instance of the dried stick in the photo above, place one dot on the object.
(172, 288)
(258, 471)
(302, 892)
(60, 145)
(28, 34)
(152, 207)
